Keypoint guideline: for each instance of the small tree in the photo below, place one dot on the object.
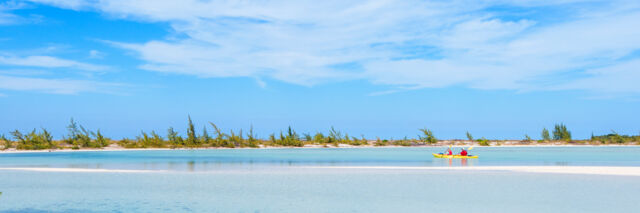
(334, 136)
(252, 140)
(220, 140)
(545, 135)
(6, 142)
(272, 138)
(319, 138)
(22, 141)
(78, 136)
(307, 137)
(205, 138)
(174, 139)
(48, 139)
(469, 136)
(560, 132)
(100, 139)
(192, 140)
(427, 136)
(84, 138)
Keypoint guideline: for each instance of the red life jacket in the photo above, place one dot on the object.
(463, 153)
(450, 153)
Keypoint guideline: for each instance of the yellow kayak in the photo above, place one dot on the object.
(453, 156)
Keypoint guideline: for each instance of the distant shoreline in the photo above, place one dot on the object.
(342, 146)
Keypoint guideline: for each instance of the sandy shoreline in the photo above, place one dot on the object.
(582, 170)
(108, 149)
(586, 170)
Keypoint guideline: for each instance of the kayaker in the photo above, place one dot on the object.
(463, 152)
(449, 152)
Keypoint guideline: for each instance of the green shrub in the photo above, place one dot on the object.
(80, 137)
(101, 140)
(381, 142)
(291, 138)
(614, 137)
(319, 138)
(560, 132)
(33, 140)
(483, 142)
(127, 143)
(545, 135)
(403, 142)
(427, 136)
(252, 140)
(174, 139)
(358, 142)
(7, 144)
(192, 140)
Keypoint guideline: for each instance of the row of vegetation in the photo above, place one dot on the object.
(79, 137)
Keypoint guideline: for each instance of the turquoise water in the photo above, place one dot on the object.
(212, 159)
(275, 180)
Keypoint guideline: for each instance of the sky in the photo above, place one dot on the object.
(378, 68)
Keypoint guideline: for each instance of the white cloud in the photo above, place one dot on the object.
(409, 44)
(625, 75)
(96, 54)
(55, 86)
(8, 18)
(49, 62)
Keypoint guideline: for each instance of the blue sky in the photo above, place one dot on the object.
(499, 69)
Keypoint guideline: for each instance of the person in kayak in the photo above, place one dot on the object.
(449, 152)
(463, 152)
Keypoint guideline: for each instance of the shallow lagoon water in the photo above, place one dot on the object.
(203, 160)
(274, 180)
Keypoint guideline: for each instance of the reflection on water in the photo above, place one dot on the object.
(198, 160)
(191, 165)
(31, 210)
(453, 162)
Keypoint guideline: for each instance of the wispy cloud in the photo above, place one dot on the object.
(625, 75)
(5, 16)
(55, 86)
(95, 54)
(408, 44)
(49, 62)
(8, 18)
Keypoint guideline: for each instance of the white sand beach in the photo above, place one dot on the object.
(586, 170)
